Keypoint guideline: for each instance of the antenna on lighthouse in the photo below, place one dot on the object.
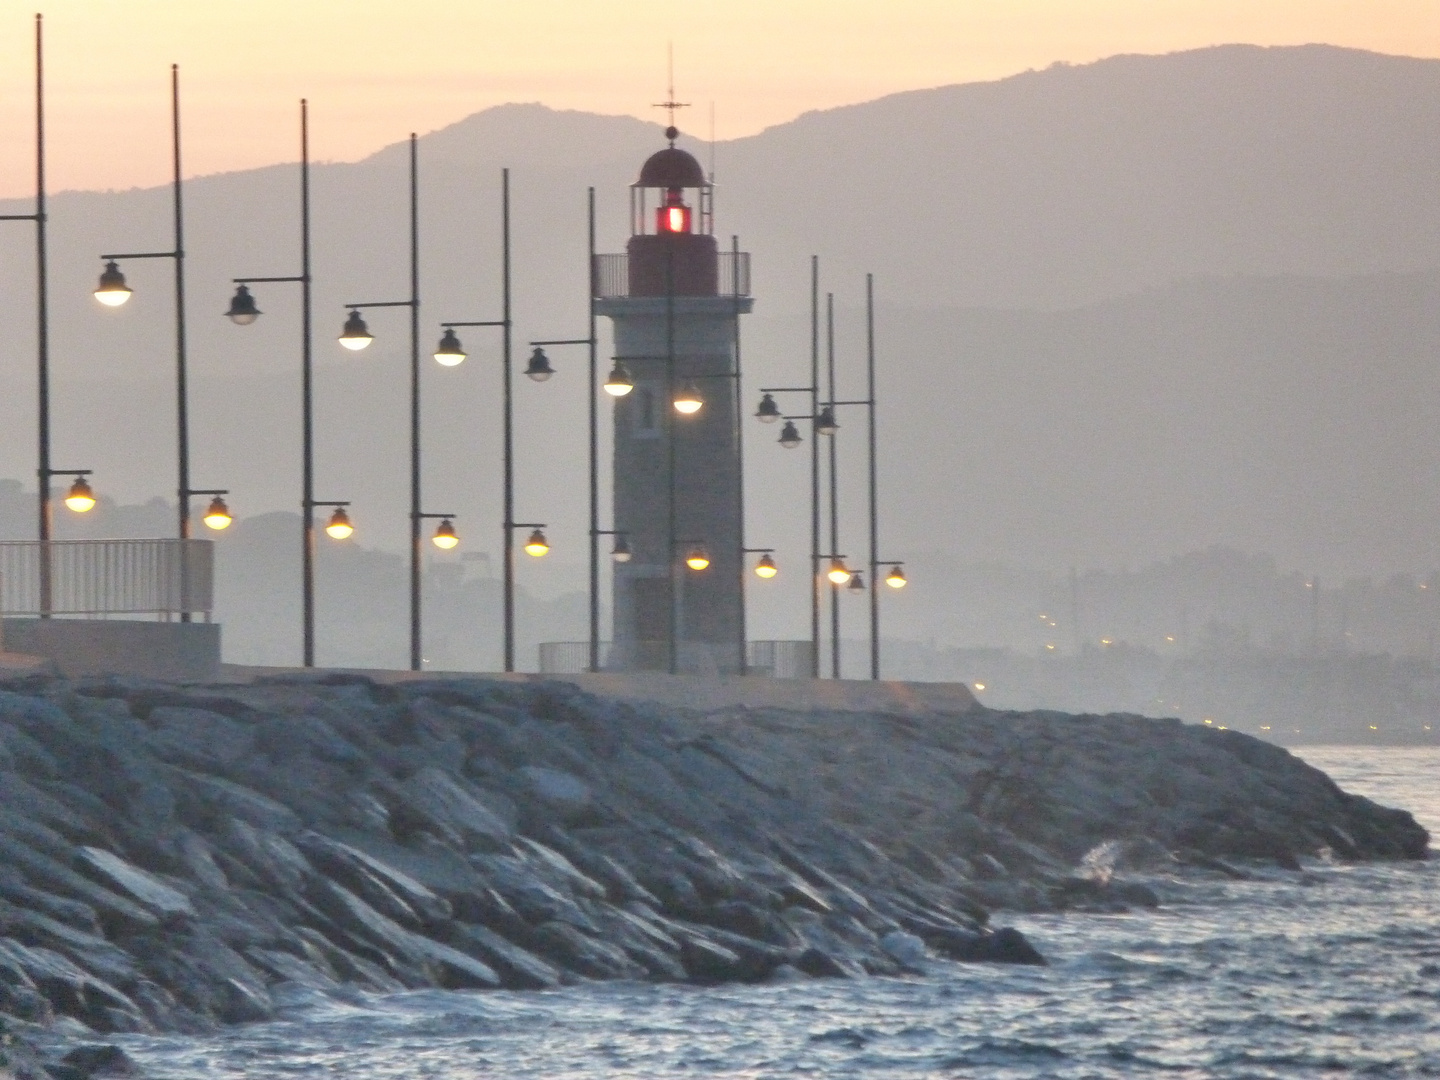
(670, 104)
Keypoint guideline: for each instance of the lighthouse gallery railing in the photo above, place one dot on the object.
(612, 275)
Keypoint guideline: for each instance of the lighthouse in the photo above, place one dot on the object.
(674, 301)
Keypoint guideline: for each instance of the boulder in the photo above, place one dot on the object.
(564, 795)
(433, 800)
(517, 968)
(208, 798)
(169, 904)
(585, 955)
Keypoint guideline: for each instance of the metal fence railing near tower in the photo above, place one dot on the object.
(98, 578)
(612, 275)
(777, 659)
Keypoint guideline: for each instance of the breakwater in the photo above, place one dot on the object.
(171, 857)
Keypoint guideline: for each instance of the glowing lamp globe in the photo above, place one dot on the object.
(688, 400)
(697, 559)
(80, 498)
(445, 536)
(765, 567)
(618, 383)
(112, 291)
(339, 526)
(356, 335)
(449, 353)
(217, 515)
(537, 545)
(896, 578)
(837, 572)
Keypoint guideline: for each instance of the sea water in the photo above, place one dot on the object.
(1332, 971)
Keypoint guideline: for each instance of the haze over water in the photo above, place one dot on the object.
(1335, 970)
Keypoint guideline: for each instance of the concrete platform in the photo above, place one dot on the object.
(700, 692)
(183, 652)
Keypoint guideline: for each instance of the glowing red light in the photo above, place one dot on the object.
(674, 219)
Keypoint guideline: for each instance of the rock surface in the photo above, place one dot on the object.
(171, 855)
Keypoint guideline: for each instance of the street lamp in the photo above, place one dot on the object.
(449, 353)
(765, 565)
(80, 497)
(537, 545)
(768, 413)
(697, 558)
(688, 401)
(838, 573)
(619, 382)
(113, 292)
(356, 336)
(339, 527)
(45, 510)
(445, 536)
(217, 515)
(243, 312)
(896, 577)
(538, 369)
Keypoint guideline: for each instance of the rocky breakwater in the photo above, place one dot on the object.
(172, 857)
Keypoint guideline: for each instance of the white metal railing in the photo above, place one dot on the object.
(107, 577)
(779, 659)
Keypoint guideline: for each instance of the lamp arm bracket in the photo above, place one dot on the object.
(254, 280)
(384, 303)
(488, 322)
(144, 255)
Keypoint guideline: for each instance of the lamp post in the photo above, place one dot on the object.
(538, 369)
(113, 292)
(43, 470)
(618, 384)
(769, 412)
(355, 337)
(243, 312)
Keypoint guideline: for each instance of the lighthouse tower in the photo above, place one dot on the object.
(675, 303)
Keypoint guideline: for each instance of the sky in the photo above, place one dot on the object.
(375, 70)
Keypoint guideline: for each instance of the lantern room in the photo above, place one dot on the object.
(672, 251)
(665, 179)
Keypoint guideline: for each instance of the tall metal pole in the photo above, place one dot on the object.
(834, 488)
(874, 480)
(671, 533)
(182, 389)
(416, 659)
(307, 419)
(182, 400)
(594, 447)
(814, 468)
(739, 449)
(42, 330)
(509, 423)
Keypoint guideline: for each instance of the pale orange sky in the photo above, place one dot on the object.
(377, 69)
